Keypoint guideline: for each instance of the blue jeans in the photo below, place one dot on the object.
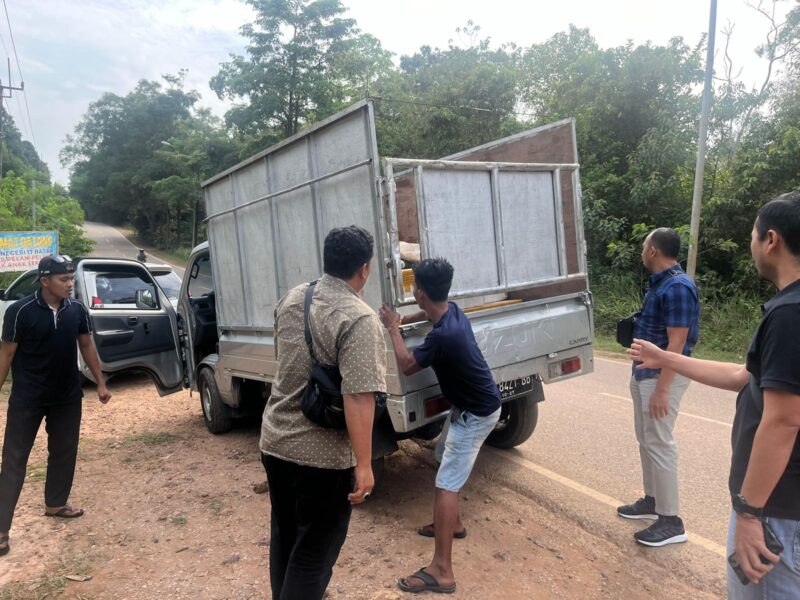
(783, 582)
(463, 440)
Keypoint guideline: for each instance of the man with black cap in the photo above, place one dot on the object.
(41, 335)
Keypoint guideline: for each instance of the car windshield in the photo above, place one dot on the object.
(170, 283)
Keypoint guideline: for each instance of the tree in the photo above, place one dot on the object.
(636, 116)
(304, 63)
(445, 101)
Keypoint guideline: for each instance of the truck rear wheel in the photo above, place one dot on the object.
(517, 422)
(215, 413)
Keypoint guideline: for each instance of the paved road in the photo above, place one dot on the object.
(112, 244)
(583, 460)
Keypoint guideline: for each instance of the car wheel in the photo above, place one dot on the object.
(517, 422)
(215, 413)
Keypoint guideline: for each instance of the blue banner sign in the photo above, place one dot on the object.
(22, 250)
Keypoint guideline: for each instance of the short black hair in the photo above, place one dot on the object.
(667, 241)
(781, 214)
(434, 277)
(346, 250)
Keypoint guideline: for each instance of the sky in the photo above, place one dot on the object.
(72, 51)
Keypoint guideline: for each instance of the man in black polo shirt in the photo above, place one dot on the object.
(451, 351)
(41, 334)
(765, 467)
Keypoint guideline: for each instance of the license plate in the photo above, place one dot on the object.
(515, 387)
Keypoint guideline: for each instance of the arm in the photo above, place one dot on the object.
(89, 354)
(726, 376)
(405, 359)
(659, 400)
(359, 412)
(772, 447)
(414, 318)
(7, 351)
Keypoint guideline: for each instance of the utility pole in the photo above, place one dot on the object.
(699, 170)
(33, 198)
(3, 89)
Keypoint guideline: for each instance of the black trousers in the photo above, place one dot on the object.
(63, 425)
(310, 516)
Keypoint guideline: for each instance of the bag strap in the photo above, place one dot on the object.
(306, 310)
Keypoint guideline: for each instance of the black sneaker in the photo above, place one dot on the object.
(643, 508)
(666, 530)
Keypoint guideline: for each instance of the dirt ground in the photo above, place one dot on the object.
(171, 513)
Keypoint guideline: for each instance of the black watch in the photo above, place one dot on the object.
(741, 507)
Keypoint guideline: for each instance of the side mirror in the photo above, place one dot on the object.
(2, 294)
(145, 299)
(195, 270)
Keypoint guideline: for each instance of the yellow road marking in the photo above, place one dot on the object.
(685, 414)
(699, 540)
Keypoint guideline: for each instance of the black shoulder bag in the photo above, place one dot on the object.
(625, 329)
(322, 402)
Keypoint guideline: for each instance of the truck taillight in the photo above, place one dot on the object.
(435, 406)
(565, 367)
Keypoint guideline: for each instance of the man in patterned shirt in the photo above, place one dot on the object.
(670, 319)
(311, 469)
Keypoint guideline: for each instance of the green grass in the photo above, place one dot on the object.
(216, 506)
(150, 438)
(179, 520)
(53, 583)
(35, 471)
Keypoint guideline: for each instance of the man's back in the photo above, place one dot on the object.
(346, 332)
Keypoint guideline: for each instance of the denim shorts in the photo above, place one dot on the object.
(464, 438)
(783, 582)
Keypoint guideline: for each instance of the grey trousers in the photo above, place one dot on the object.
(657, 448)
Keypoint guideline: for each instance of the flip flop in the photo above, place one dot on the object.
(66, 512)
(4, 540)
(428, 531)
(429, 584)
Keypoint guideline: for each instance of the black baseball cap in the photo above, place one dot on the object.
(55, 264)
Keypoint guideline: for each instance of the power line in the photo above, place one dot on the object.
(21, 78)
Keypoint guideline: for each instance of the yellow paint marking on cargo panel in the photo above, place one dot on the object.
(497, 304)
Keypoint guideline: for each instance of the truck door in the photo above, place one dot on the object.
(134, 325)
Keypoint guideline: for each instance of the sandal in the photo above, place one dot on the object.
(429, 584)
(429, 531)
(5, 547)
(66, 512)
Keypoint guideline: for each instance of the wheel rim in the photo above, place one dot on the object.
(205, 399)
(505, 417)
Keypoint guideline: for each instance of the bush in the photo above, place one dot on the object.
(726, 322)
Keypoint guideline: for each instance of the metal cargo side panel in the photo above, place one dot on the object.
(224, 243)
(268, 215)
(257, 244)
(459, 226)
(296, 219)
(346, 199)
(530, 227)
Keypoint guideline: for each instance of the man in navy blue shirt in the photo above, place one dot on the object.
(451, 351)
(40, 341)
(670, 319)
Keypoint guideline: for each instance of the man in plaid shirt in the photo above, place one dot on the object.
(669, 319)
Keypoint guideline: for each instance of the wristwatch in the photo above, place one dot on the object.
(742, 508)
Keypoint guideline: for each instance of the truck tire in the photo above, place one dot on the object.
(518, 419)
(215, 413)
(378, 469)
